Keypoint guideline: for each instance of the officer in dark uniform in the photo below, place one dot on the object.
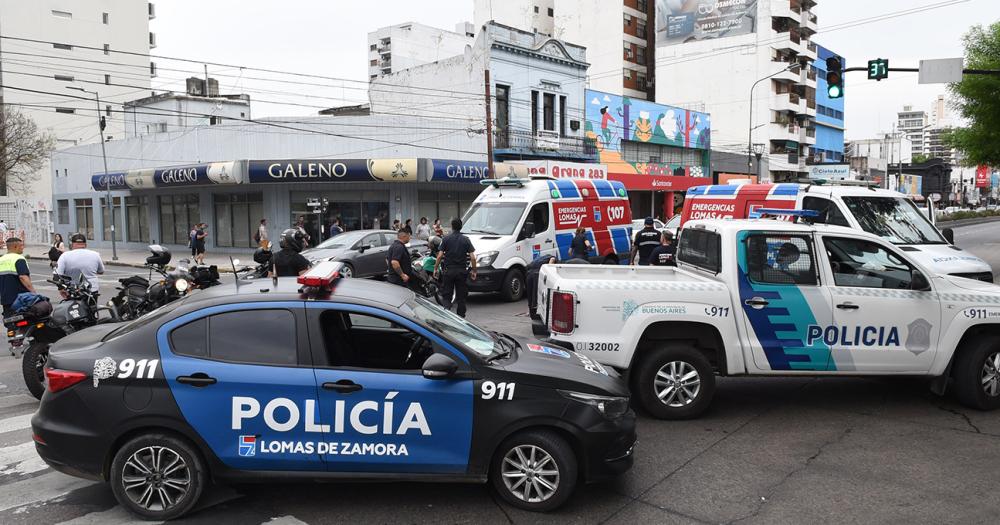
(663, 255)
(455, 258)
(645, 241)
(397, 260)
(289, 262)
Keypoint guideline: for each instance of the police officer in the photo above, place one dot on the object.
(645, 241)
(397, 260)
(289, 262)
(457, 259)
(14, 275)
(663, 255)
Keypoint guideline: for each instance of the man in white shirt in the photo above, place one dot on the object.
(3, 226)
(81, 261)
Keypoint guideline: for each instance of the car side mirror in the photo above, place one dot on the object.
(528, 230)
(439, 366)
(364, 247)
(918, 282)
(949, 235)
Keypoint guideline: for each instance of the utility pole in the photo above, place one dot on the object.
(489, 126)
(107, 180)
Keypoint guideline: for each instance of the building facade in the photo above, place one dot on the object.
(872, 159)
(913, 124)
(402, 46)
(829, 148)
(711, 60)
(50, 46)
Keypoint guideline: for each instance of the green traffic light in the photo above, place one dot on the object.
(834, 91)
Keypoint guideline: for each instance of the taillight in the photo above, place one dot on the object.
(20, 324)
(563, 312)
(62, 379)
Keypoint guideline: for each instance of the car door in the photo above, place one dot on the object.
(378, 411)
(242, 378)
(372, 260)
(782, 301)
(542, 240)
(880, 323)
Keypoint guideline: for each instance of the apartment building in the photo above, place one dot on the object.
(402, 46)
(913, 123)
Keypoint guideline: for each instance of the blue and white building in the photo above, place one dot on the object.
(829, 147)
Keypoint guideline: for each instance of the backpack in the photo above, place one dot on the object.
(54, 254)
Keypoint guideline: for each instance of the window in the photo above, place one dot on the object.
(62, 214)
(137, 218)
(503, 115)
(534, 112)
(373, 240)
(640, 78)
(64, 78)
(104, 18)
(178, 214)
(237, 216)
(640, 54)
(372, 47)
(628, 51)
(107, 111)
(536, 9)
(68, 111)
(539, 217)
(106, 219)
(264, 337)
(640, 29)
(627, 75)
(214, 119)
(152, 69)
(896, 220)
(628, 20)
(65, 47)
(701, 248)
(551, 12)
(366, 341)
(562, 115)
(642, 5)
(780, 259)
(107, 79)
(84, 217)
(865, 264)
(829, 212)
(62, 14)
(549, 112)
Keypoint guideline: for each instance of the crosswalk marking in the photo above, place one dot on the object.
(15, 423)
(17, 399)
(39, 489)
(285, 520)
(20, 459)
(116, 515)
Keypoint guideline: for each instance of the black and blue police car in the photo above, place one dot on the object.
(321, 378)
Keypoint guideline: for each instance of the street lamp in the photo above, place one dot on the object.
(758, 151)
(750, 127)
(107, 180)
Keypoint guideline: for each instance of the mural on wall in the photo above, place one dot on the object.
(612, 119)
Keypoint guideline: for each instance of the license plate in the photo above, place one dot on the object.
(13, 319)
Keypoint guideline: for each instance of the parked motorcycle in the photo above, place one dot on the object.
(425, 282)
(77, 311)
(137, 295)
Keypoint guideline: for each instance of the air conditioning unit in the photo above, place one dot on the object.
(547, 140)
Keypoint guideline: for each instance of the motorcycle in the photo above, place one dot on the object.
(425, 282)
(136, 296)
(38, 330)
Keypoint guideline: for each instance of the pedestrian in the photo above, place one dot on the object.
(3, 227)
(15, 278)
(397, 260)
(261, 237)
(457, 262)
(408, 226)
(645, 240)
(531, 280)
(438, 230)
(300, 225)
(663, 255)
(395, 225)
(57, 249)
(289, 261)
(424, 230)
(81, 261)
(580, 247)
(198, 243)
(335, 228)
(191, 237)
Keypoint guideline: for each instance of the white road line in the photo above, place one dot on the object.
(15, 423)
(285, 520)
(20, 459)
(17, 399)
(39, 489)
(116, 515)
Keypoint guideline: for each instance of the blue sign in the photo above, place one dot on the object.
(332, 170)
(102, 181)
(459, 171)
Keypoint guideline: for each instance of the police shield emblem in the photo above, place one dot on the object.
(918, 337)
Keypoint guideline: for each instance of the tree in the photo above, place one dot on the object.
(23, 150)
(919, 159)
(977, 99)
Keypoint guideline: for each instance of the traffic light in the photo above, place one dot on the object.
(103, 123)
(878, 69)
(834, 77)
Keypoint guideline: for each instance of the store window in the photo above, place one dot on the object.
(84, 217)
(237, 216)
(137, 218)
(444, 205)
(106, 219)
(62, 206)
(357, 210)
(178, 214)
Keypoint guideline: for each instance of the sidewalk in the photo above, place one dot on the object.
(137, 258)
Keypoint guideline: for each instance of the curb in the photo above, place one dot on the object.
(966, 222)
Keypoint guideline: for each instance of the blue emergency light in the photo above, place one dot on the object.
(761, 213)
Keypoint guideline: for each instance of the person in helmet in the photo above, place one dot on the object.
(288, 261)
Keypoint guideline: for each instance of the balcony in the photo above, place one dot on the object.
(786, 103)
(384, 48)
(808, 50)
(783, 131)
(809, 22)
(507, 142)
(807, 136)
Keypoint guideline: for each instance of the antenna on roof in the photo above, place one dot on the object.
(236, 275)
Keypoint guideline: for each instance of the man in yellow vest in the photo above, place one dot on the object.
(14, 275)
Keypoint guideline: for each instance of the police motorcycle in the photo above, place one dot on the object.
(42, 324)
(137, 296)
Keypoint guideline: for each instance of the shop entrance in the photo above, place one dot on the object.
(357, 210)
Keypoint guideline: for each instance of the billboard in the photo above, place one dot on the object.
(681, 21)
(830, 171)
(910, 185)
(341, 170)
(563, 170)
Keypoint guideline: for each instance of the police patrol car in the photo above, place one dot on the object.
(345, 379)
(766, 297)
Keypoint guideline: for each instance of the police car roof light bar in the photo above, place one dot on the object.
(323, 275)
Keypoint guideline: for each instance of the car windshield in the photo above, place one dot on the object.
(452, 326)
(339, 241)
(493, 218)
(896, 219)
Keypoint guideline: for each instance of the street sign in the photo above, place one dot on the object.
(936, 197)
(878, 69)
(941, 71)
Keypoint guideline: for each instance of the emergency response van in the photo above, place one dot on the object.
(516, 220)
(885, 213)
(773, 298)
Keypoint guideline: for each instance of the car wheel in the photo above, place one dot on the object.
(513, 285)
(674, 382)
(609, 260)
(347, 271)
(977, 374)
(33, 368)
(157, 476)
(534, 470)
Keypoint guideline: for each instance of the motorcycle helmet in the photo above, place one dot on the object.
(262, 256)
(160, 257)
(292, 239)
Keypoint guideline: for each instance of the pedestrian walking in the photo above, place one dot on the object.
(56, 250)
(438, 230)
(395, 225)
(261, 238)
(79, 261)
(663, 255)
(424, 230)
(645, 241)
(198, 243)
(580, 247)
(15, 278)
(397, 260)
(335, 228)
(457, 263)
(408, 226)
(3, 227)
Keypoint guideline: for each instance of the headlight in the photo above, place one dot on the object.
(609, 407)
(181, 285)
(487, 258)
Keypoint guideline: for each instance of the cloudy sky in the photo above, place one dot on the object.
(329, 38)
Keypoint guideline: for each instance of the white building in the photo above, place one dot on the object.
(913, 123)
(536, 16)
(872, 158)
(710, 59)
(171, 111)
(402, 46)
(48, 46)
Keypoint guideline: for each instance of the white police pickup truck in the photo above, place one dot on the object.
(766, 297)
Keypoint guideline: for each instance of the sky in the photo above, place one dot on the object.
(329, 38)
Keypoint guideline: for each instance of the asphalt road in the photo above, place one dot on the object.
(778, 450)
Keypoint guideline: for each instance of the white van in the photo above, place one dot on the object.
(516, 220)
